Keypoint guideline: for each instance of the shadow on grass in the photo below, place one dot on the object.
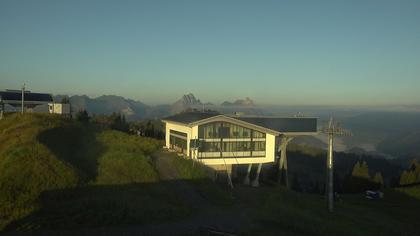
(306, 214)
(75, 144)
(106, 206)
(156, 207)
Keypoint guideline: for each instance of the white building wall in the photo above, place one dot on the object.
(192, 133)
(180, 128)
(59, 108)
(270, 147)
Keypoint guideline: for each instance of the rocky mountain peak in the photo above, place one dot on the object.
(189, 99)
(240, 102)
(186, 101)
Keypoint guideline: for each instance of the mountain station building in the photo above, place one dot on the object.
(220, 141)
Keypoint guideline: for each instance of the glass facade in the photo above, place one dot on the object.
(178, 141)
(226, 130)
(178, 133)
(229, 140)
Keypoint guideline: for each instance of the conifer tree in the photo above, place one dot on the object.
(378, 179)
(83, 116)
(356, 169)
(412, 175)
(361, 170)
(404, 178)
(364, 170)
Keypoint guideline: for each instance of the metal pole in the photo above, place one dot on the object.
(256, 181)
(2, 109)
(23, 97)
(330, 170)
(283, 175)
(248, 173)
(331, 129)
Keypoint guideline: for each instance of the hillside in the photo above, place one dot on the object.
(48, 164)
(305, 214)
(68, 177)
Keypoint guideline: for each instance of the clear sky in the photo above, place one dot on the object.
(276, 52)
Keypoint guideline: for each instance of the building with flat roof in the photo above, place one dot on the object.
(220, 141)
(14, 98)
(31, 100)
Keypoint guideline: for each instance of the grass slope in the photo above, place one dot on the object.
(200, 177)
(294, 213)
(61, 174)
(56, 172)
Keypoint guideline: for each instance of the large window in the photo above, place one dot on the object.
(259, 146)
(177, 133)
(219, 139)
(226, 130)
(178, 141)
(236, 146)
(210, 131)
(210, 147)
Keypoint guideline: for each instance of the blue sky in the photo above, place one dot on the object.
(276, 52)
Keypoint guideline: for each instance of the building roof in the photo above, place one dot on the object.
(276, 124)
(190, 117)
(30, 97)
(283, 124)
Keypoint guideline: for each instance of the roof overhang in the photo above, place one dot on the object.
(224, 118)
(19, 102)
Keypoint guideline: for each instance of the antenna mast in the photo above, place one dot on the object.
(332, 128)
(23, 97)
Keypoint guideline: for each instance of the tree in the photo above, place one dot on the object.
(414, 165)
(83, 116)
(65, 100)
(117, 122)
(359, 180)
(404, 178)
(415, 168)
(412, 175)
(378, 179)
(356, 169)
(150, 130)
(361, 170)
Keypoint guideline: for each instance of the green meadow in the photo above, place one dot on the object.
(61, 174)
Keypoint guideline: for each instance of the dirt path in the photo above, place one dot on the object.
(171, 178)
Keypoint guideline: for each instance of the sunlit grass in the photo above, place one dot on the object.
(41, 153)
(413, 191)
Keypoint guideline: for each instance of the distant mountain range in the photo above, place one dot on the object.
(108, 104)
(186, 101)
(241, 102)
(386, 133)
(133, 110)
